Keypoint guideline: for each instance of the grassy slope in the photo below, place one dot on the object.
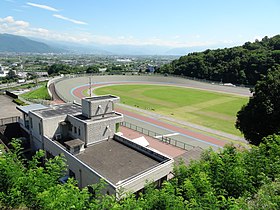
(210, 109)
(40, 93)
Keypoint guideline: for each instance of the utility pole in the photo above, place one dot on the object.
(90, 90)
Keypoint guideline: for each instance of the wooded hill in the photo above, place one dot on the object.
(237, 65)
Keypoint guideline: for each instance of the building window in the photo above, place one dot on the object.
(40, 129)
(31, 123)
(75, 129)
(79, 131)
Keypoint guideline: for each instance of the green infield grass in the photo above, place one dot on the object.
(39, 93)
(209, 109)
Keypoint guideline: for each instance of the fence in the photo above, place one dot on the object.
(161, 138)
(8, 120)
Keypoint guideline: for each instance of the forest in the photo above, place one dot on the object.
(237, 65)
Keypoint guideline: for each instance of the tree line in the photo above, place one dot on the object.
(232, 178)
(238, 65)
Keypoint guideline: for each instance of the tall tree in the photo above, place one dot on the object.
(261, 116)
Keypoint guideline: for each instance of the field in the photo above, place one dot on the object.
(40, 93)
(209, 109)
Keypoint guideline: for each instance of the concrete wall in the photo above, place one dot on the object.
(154, 174)
(51, 125)
(91, 108)
(86, 108)
(97, 130)
(79, 125)
(34, 129)
(83, 173)
(36, 143)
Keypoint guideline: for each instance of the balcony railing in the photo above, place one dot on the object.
(153, 134)
(8, 120)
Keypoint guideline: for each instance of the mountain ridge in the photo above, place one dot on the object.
(20, 44)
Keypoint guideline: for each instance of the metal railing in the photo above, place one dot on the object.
(153, 134)
(8, 120)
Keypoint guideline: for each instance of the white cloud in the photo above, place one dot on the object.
(10, 20)
(69, 19)
(42, 6)
(19, 27)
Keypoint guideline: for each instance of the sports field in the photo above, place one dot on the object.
(210, 109)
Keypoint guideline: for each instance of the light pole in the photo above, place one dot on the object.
(90, 91)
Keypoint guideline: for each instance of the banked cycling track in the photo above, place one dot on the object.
(71, 89)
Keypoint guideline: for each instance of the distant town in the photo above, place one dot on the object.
(21, 67)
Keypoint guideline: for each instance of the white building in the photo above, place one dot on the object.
(86, 135)
(3, 72)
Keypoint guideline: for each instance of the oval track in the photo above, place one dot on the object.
(72, 90)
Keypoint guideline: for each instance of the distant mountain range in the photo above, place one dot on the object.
(20, 44)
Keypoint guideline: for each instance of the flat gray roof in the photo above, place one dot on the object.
(115, 161)
(57, 110)
(31, 107)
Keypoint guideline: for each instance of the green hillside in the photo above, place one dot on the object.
(238, 65)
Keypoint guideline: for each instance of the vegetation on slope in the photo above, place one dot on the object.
(228, 179)
(39, 93)
(238, 65)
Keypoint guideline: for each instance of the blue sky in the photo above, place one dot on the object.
(172, 23)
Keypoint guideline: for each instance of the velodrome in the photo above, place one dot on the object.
(71, 89)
